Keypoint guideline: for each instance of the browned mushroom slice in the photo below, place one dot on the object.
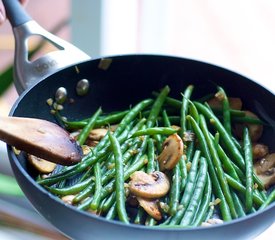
(268, 179)
(265, 170)
(68, 199)
(97, 134)
(41, 165)
(255, 130)
(152, 185)
(265, 164)
(234, 103)
(151, 207)
(259, 151)
(171, 153)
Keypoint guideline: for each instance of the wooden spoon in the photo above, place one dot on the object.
(41, 138)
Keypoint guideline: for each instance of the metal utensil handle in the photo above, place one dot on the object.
(15, 13)
(26, 72)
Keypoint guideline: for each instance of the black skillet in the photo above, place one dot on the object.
(127, 80)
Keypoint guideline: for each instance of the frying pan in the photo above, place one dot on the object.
(127, 80)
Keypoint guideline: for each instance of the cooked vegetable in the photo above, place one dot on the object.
(151, 207)
(41, 165)
(152, 185)
(171, 153)
(259, 151)
(248, 170)
(265, 169)
(146, 171)
(255, 130)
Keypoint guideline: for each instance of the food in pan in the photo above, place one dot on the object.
(167, 162)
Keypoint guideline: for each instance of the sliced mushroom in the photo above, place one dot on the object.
(153, 185)
(255, 130)
(97, 134)
(94, 137)
(234, 103)
(68, 199)
(265, 170)
(151, 207)
(171, 153)
(265, 164)
(41, 165)
(259, 151)
(268, 180)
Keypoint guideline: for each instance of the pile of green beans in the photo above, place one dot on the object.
(214, 176)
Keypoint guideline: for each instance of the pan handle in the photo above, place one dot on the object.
(15, 13)
(27, 72)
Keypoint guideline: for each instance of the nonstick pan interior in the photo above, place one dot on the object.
(128, 80)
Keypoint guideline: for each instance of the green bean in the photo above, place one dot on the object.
(138, 126)
(197, 195)
(131, 115)
(237, 144)
(155, 131)
(151, 156)
(87, 161)
(193, 111)
(157, 107)
(218, 167)
(257, 192)
(183, 173)
(81, 138)
(130, 170)
(239, 172)
(240, 188)
(226, 111)
(101, 121)
(127, 143)
(188, 190)
(248, 156)
(71, 189)
(216, 139)
(158, 142)
(108, 175)
(150, 168)
(119, 181)
(109, 202)
(175, 190)
(98, 187)
(228, 142)
(225, 211)
(269, 200)
(190, 151)
(211, 209)
(169, 101)
(184, 108)
(112, 212)
(227, 164)
(166, 120)
(142, 149)
(238, 204)
(150, 221)
(263, 194)
(139, 216)
(204, 206)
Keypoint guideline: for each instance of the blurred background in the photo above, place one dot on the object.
(237, 35)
